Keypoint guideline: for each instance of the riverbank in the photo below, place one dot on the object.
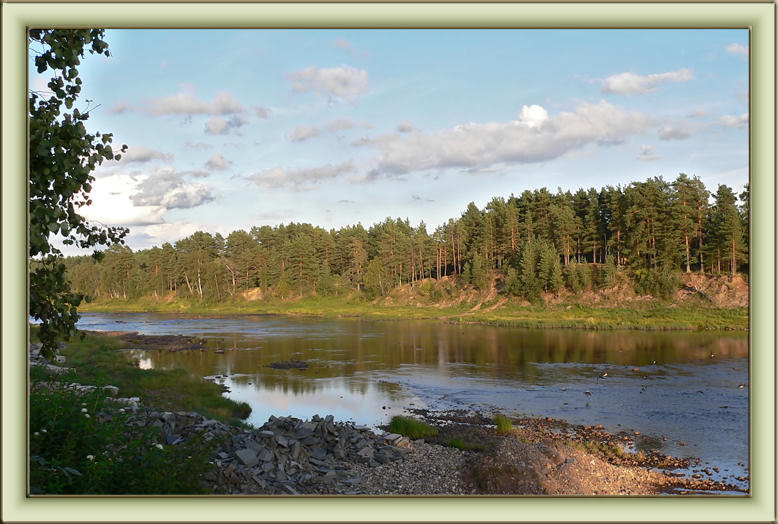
(649, 315)
(466, 454)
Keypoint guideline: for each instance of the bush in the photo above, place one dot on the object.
(81, 445)
(503, 423)
(658, 283)
(411, 428)
(606, 276)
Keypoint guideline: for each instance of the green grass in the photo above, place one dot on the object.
(76, 447)
(411, 428)
(465, 445)
(598, 448)
(504, 424)
(98, 360)
(650, 316)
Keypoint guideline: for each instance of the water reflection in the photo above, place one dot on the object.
(666, 384)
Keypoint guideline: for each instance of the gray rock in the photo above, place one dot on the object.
(290, 489)
(366, 452)
(266, 455)
(247, 456)
(391, 437)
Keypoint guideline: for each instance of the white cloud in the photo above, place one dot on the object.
(217, 163)
(41, 84)
(158, 234)
(197, 145)
(186, 103)
(344, 44)
(299, 179)
(343, 82)
(630, 83)
(647, 154)
(262, 112)
(533, 137)
(167, 188)
(303, 133)
(404, 127)
(120, 107)
(112, 204)
(734, 121)
(678, 131)
(219, 126)
(344, 124)
(533, 116)
(737, 49)
(141, 155)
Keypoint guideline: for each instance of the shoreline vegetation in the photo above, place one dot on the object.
(166, 421)
(647, 315)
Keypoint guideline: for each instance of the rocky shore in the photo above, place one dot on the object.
(321, 456)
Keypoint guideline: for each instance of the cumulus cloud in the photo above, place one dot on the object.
(678, 131)
(186, 104)
(219, 126)
(197, 145)
(113, 206)
(141, 155)
(630, 83)
(120, 107)
(303, 133)
(344, 124)
(217, 163)
(737, 49)
(734, 121)
(299, 179)
(158, 234)
(343, 82)
(533, 137)
(168, 189)
(647, 154)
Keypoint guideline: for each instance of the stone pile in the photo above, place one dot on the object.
(36, 359)
(291, 456)
(286, 456)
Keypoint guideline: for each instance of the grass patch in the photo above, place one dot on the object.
(78, 445)
(597, 448)
(411, 428)
(650, 316)
(504, 424)
(98, 360)
(465, 445)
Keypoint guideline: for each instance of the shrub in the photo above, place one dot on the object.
(658, 283)
(606, 277)
(503, 423)
(81, 445)
(411, 427)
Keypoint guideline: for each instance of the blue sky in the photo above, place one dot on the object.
(229, 129)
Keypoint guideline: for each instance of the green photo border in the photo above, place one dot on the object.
(759, 17)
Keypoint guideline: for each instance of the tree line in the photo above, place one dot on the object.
(537, 242)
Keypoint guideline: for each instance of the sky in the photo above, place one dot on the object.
(229, 129)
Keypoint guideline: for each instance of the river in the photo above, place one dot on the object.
(678, 386)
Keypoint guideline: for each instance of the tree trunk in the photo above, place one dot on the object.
(186, 277)
(734, 265)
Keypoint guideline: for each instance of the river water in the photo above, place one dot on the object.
(682, 386)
